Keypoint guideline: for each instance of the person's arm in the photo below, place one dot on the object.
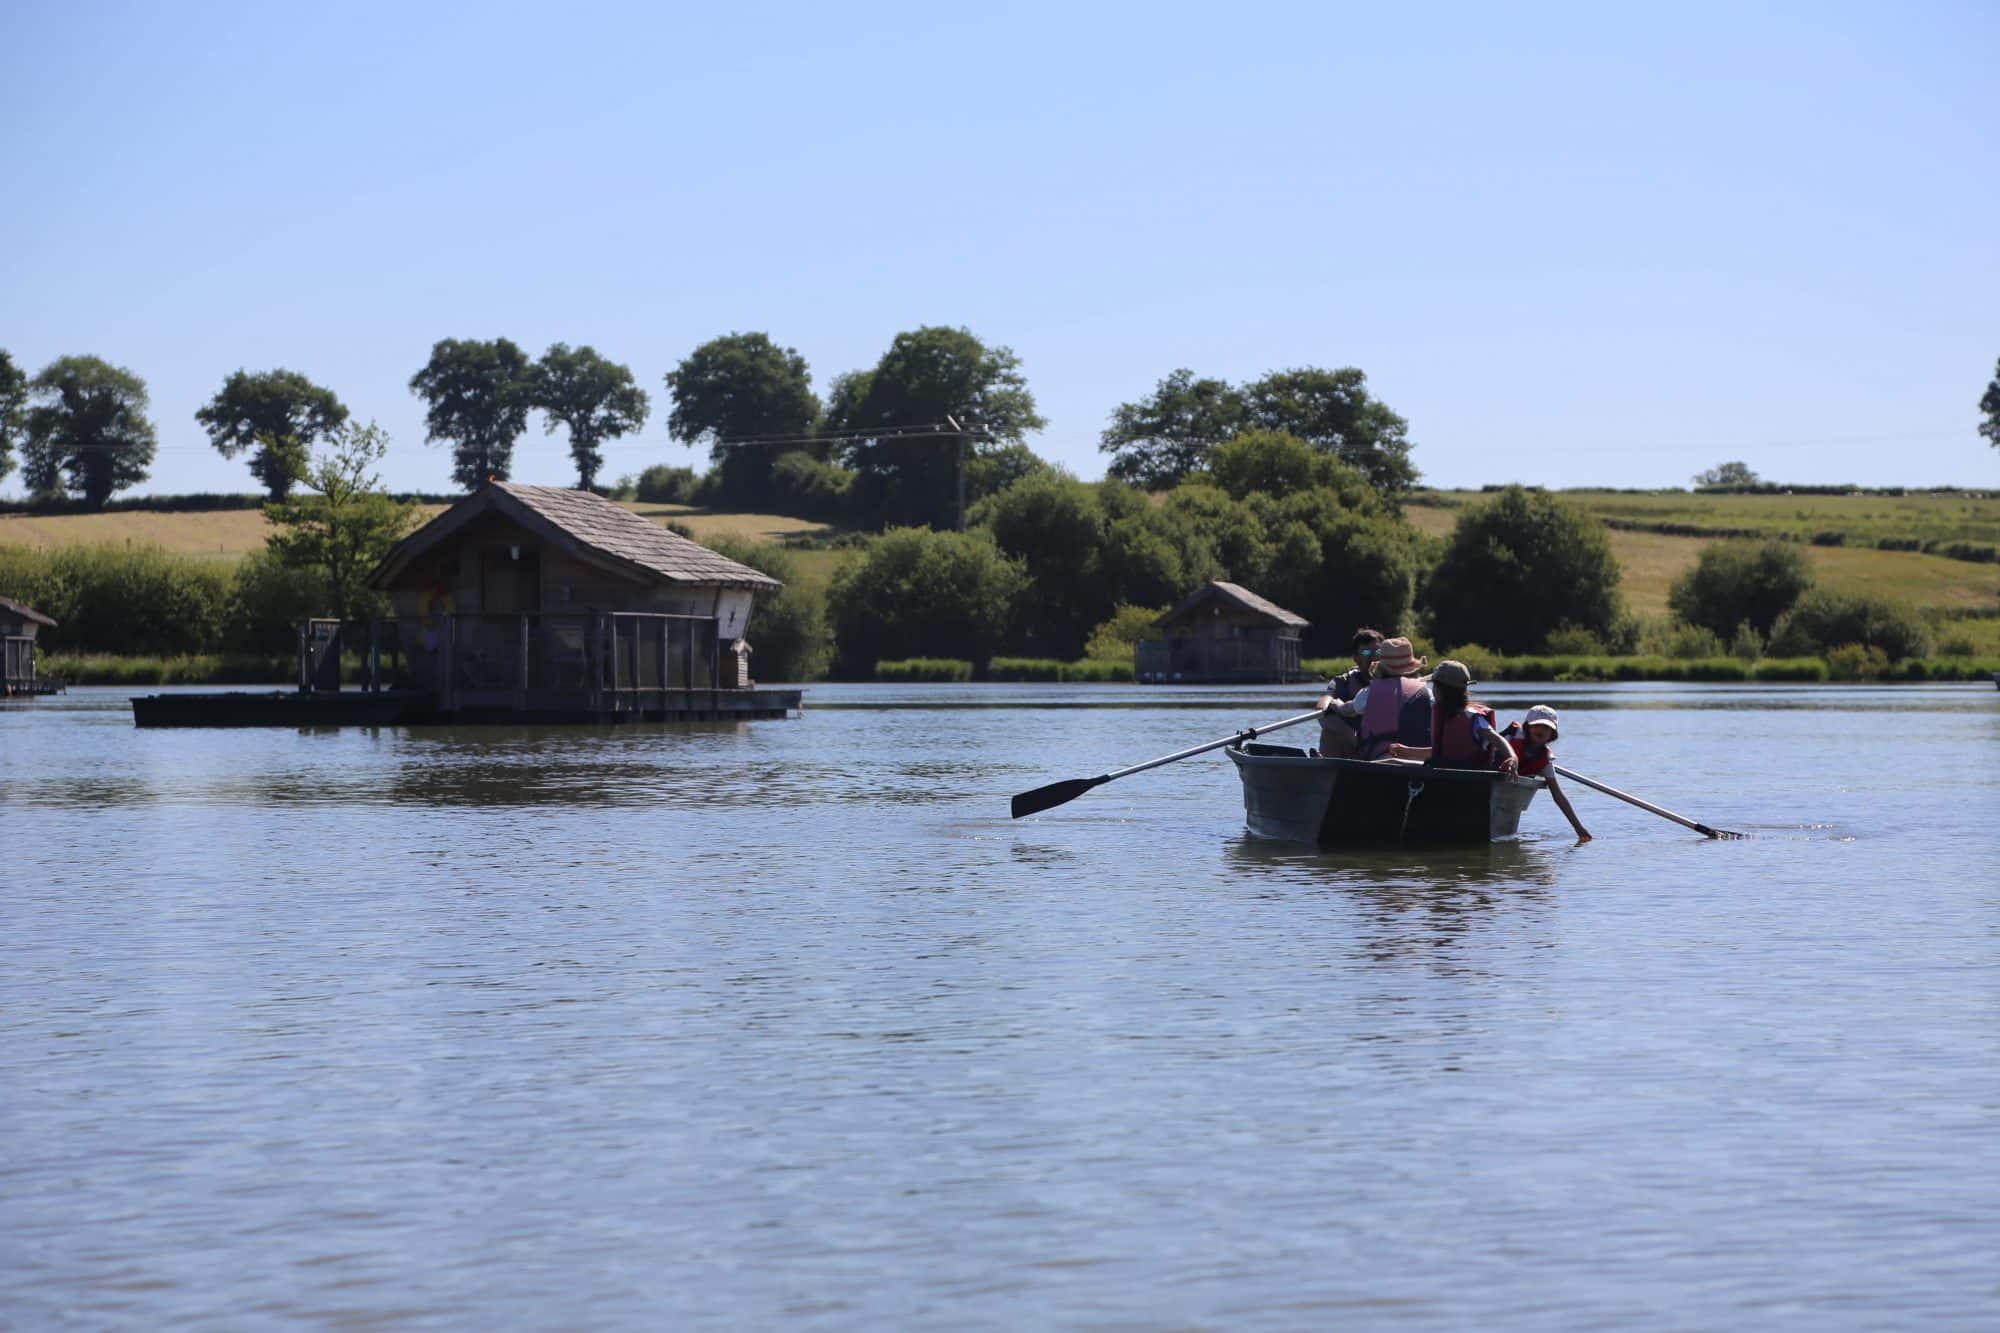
(1347, 707)
(1493, 740)
(1400, 751)
(1562, 804)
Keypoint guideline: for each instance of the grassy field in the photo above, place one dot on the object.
(1861, 519)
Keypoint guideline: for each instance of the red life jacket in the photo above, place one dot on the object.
(1534, 758)
(1452, 745)
(1393, 715)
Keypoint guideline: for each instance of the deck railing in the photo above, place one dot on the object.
(601, 660)
(17, 664)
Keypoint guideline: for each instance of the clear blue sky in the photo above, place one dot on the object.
(1573, 245)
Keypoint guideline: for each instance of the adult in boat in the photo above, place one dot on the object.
(1338, 736)
(1395, 707)
(1462, 732)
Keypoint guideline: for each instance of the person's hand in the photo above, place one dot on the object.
(1510, 765)
(1325, 701)
(1582, 837)
(1397, 750)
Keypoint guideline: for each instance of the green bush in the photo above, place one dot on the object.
(1099, 671)
(925, 669)
(1741, 582)
(916, 592)
(811, 487)
(1857, 661)
(267, 602)
(662, 484)
(1024, 668)
(1568, 640)
(121, 598)
(1117, 638)
(1822, 621)
(1789, 669)
(1977, 552)
(1520, 566)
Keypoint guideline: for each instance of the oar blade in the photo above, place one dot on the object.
(1051, 796)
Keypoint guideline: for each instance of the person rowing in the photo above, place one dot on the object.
(1393, 708)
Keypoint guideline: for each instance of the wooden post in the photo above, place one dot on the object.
(524, 662)
(374, 656)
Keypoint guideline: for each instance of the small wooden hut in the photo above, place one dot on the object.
(18, 627)
(1223, 633)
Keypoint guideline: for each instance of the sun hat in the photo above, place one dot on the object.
(1543, 714)
(1449, 672)
(1396, 658)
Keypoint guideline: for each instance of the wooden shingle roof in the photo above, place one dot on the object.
(1241, 596)
(585, 520)
(25, 612)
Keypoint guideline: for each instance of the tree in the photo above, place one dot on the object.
(1520, 567)
(13, 401)
(1158, 441)
(919, 593)
(1278, 463)
(1741, 583)
(597, 399)
(1726, 474)
(479, 395)
(1053, 524)
(1338, 565)
(788, 628)
(1333, 410)
(280, 414)
(907, 471)
(346, 527)
(1821, 621)
(1989, 403)
(87, 429)
(739, 387)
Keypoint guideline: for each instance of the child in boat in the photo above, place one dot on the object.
(1534, 738)
(1462, 732)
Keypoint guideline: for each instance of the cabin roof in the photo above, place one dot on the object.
(582, 521)
(1241, 596)
(12, 607)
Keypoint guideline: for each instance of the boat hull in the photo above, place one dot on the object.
(1294, 796)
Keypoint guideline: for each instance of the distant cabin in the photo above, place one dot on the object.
(544, 600)
(18, 626)
(1223, 633)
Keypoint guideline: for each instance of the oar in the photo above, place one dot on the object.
(1060, 793)
(1647, 806)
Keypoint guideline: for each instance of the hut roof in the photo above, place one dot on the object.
(14, 608)
(1239, 595)
(586, 524)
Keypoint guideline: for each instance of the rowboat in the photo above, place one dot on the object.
(1297, 796)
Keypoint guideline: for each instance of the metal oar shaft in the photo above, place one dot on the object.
(1647, 806)
(1248, 733)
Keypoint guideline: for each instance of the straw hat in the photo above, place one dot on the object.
(1543, 714)
(1396, 658)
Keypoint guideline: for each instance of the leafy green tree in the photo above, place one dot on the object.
(1054, 525)
(595, 398)
(789, 632)
(1279, 463)
(1822, 621)
(1157, 442)
(87, 429)
(1519, 567)
(280, 414)
(13, 402)
(1332, 410)
(478, 396)
(1989, 403)
(1726, 474)
(905, 471)
(1122, 632)
(734, 391)
(346, 527)
(920, 593)
(1227, 530)
(1741, 583)
(1339, 566)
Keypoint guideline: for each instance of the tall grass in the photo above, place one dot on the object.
(185, 669)
(924, 669)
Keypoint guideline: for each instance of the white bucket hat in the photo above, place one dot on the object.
(1543, 714)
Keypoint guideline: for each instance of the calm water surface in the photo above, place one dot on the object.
(787, 1025)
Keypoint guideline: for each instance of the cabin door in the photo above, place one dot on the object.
(511, 584)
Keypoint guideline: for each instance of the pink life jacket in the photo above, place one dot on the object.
(1452, 745)
(1393, 714)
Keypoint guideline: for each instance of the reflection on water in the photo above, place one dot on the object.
(751, 1025)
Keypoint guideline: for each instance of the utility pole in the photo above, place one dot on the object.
(960, 432)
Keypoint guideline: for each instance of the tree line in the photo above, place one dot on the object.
(882, 448)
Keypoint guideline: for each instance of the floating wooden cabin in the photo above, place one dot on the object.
(1223, 634)
(530, 603)
(18, 626)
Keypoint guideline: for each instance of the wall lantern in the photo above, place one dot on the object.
(514, 551)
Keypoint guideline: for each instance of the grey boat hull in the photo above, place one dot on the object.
(1292, 795)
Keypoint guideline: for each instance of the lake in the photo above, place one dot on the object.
(786, 1024)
